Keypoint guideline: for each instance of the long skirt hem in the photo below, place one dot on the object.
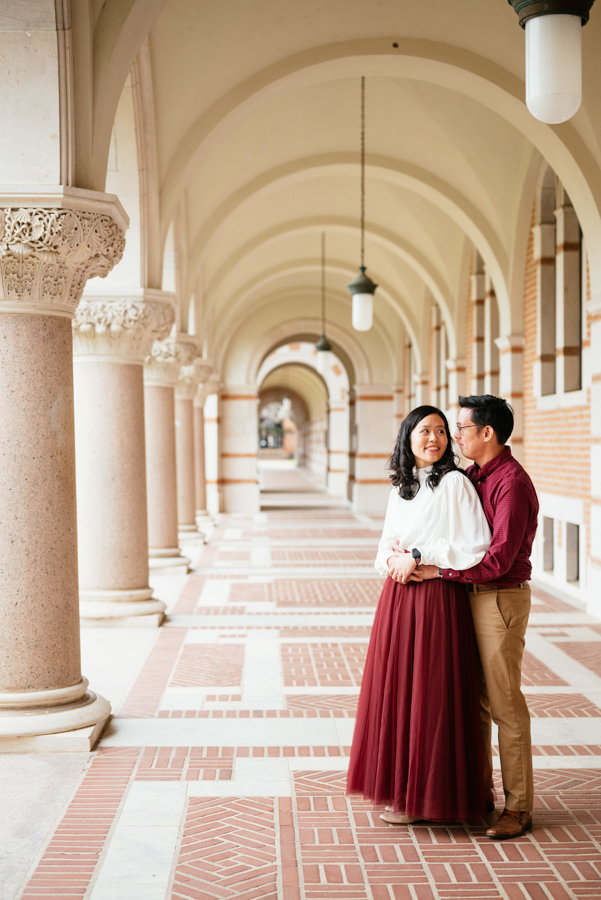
(417, 744)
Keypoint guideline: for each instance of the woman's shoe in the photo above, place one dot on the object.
(393, 818)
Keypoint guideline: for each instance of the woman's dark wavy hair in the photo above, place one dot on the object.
(402, 462)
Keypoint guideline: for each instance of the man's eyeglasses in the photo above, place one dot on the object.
(461, 428)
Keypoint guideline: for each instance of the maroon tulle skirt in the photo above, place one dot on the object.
(417, 743)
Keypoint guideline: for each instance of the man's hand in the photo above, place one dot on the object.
(424, 573)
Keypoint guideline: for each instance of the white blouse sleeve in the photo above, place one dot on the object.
(461, 535)
(388, 535)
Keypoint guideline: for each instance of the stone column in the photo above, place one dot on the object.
(211, 419)
(112, 335)
(161, 373)
(338, 448)
(238, 447)
(48, 250)
(421, 389)
(593, 575)
(190, 377)
(511, 385)
(203, 519)
(456, 369)
(376, 424)
(478, 293)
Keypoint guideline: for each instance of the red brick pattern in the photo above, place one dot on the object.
(322, 664)
(68, 862)
(327, 592)
(189, 597)
(202, 665)
(145, 696)
(228, 850)
(334, 702)
(293, 557)
(589, 654)
(249, 593)
(561, 706)
(535, 672)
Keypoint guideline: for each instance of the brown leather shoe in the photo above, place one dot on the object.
(510, 824)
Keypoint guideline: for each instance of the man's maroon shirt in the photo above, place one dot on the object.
(511, 509)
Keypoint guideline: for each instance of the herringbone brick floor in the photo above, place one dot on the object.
(223, 772)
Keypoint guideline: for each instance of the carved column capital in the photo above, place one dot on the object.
(167, 357)
(191, 377)
(48, 252)
(210, 385)
(122, 326)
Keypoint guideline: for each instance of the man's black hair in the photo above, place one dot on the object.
(488, 410)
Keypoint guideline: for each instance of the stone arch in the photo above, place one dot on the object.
(430, 61)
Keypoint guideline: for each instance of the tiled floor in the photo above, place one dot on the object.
(222, 774)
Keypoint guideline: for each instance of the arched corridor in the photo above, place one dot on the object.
(195, 426)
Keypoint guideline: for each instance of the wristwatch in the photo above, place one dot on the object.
(440, 572)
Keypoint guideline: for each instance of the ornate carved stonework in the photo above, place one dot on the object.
(191, 376)
(124, 326)
(167, 358)
(47, 255)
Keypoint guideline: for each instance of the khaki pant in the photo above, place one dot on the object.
(500, 620)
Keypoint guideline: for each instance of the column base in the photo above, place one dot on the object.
(121, 609)
(35, 719)
(205, 523)
(82, 740)
(189, 533)
(168, 561)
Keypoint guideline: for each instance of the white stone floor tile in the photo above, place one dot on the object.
(153, 803)
(215, 592)
(239, 789)
(167, 587)
(249, 769)
(34, 789)
(225, 732)
(142, 848)
(111, 659)
(262, 679)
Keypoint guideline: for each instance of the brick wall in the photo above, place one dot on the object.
(556, 442)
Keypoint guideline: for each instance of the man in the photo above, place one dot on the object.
(500, 597)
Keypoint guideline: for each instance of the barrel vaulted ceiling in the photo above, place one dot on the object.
(255, 133)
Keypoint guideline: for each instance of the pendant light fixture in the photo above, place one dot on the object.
(323, 346)
(362, 288)
(553, 56)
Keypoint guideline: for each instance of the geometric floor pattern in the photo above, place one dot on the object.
(222, 773)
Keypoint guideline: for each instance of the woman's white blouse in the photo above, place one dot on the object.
(446, 524)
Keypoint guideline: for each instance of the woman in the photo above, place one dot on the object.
(417, 743)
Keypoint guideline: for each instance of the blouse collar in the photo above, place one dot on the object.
(422, 474)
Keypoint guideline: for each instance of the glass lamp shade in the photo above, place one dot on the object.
(324, 361)
(324, 354)
(363, 311)
(553, 67)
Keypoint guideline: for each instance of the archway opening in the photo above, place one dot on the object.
(304, 415)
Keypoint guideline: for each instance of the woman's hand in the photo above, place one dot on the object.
(400, 566)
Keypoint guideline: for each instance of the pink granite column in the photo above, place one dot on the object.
(161, 373)
(112, 336)
(203, 519)
(48, 255)
(189, 379)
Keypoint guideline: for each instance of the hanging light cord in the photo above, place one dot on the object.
(323, 282)
(363, 170)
